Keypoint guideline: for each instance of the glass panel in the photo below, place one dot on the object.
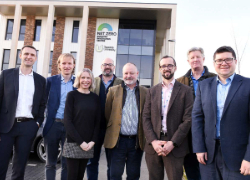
(120, 62)
(6, 56)
(10, 25)
(5, 66)
(147, 51)
(8, 36)
(146, 67)
(148, 38)
(18, 60)
(22, 30)
(50, 61)
(135, 37)
(122, 49)
(136, 60)
(54, 31)
(38, 30)
(35, 64)
(136, 50)
(21, 37)
(75, 31)
(123, 37)
(74, 54)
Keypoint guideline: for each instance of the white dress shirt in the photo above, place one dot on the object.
(25, 95)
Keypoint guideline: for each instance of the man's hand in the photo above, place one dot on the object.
(245, 167)
(167, 148)
(84, 146)
(157, 145)
(202, 157)
(90, 145)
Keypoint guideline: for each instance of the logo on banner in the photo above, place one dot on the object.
(105, 34)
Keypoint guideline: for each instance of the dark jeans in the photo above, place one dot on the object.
(21, 136)
(218, 170)
(191, 165)
(125, 153)
(55, 136)
(93, 163)
(76, 168)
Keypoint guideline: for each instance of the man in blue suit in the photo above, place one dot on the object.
(221, 121)
(58, 87)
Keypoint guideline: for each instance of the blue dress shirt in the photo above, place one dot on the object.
(108, 83)
(196, 81)
(65, 88)
(222, 91)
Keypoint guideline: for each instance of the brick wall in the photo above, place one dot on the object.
(58, 43)
(90, 46)
(29, 30)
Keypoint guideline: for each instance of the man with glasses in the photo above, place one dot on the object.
(166, 123)
(221, 121)
(196, 74)
(102, 83)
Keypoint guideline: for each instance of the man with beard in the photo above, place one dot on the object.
(102, 83)
(166, 123)
(196, 74)
(124, 135)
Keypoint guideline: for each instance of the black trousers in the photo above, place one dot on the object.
(76, 168)
(218, 169)
(21, 137)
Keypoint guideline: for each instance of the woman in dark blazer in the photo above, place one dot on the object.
(82, 121)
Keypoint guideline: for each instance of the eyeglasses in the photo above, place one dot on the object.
(110, 64)
(227, 61)
(169, 66)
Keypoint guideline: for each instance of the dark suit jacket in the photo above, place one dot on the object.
(9, 87)
(113, 114)
(53, 94)
(178, 117)
(235, 121)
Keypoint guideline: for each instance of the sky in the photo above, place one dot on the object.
(210, 24)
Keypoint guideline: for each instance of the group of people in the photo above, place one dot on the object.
(83, 113)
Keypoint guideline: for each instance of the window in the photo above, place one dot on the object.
(37, 30)
(22, 30)
(35, 64)
(9, 30)
(50, 61)
(6, 59)
(75, 31)
(18, 59)
(54, 31)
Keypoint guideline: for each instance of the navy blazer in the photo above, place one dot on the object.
(53, 93)
(9, 88)
(234, 126)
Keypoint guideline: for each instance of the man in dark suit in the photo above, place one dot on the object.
(221, 121)
(166, 123)
(54, 133)
(22, 105)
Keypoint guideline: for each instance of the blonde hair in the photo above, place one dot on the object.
(78, 76)
(63, 56)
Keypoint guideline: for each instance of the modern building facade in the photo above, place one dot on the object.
(126, 32)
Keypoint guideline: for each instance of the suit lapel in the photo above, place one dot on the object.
(213, 95)
(16, 81)
(158, 95)
(73, 83)
(176, 90)
(36, 87)
(236, 83)
(58, 86)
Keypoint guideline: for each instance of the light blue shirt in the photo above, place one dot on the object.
(108, 83)
(65, 88)
(196, 81)
(222, 91)
(129, 122)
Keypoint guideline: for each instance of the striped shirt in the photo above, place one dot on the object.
(129, 123)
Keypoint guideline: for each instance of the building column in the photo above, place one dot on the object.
(83, 40)
(90, 46)
(15, 36)
(167, 42)
(47, 42)
(172, 33)
(29, 30)
(58, 43)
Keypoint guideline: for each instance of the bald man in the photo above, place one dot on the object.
(102, 83)
(124, 135)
